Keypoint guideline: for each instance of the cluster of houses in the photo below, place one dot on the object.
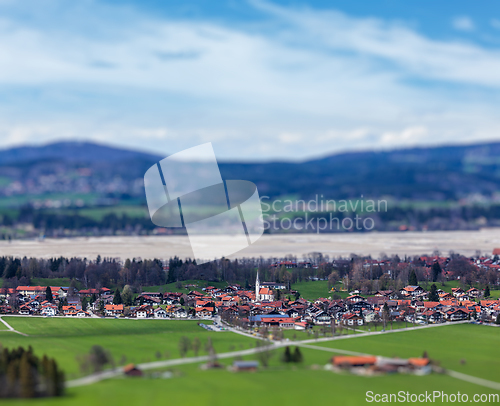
(410, 305)
(259, 308)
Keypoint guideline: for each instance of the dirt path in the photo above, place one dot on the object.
(11, 329)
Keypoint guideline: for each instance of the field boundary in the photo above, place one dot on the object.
(373, 333)
(10, 328)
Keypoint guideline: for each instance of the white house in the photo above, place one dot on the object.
(160, 313)
(49, 310)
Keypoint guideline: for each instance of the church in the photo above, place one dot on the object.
(262, 294)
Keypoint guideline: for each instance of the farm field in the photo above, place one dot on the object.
(292, 385)
(171, 287)
(466, 348)
(130, 340)
(326, 331)
(278, 385)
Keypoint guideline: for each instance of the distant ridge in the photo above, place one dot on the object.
(449, 172)
(76, 151)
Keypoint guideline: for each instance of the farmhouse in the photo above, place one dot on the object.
(113, 310)
(142, 312)
(270, 320)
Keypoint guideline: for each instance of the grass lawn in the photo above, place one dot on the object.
(137, 340)
(477, 345)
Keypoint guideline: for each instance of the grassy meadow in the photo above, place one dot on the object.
(470, 349)
(130, 340)
(277, 385)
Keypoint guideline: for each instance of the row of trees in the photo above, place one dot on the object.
(24, 375)
(354, 273)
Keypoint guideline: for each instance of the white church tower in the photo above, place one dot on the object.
(257, 288)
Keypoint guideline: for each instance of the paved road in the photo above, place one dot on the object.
(10, 327)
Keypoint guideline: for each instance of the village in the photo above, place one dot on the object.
(272, 304)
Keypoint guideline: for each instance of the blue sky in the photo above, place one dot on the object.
(259, 79)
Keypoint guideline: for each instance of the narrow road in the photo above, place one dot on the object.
(10, 327)
(335, 350)
(473, 379)
(372, 333)
(87, 380)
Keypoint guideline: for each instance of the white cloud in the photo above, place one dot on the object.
(495, 23)
(311, 83)
(463, 23)
(290, 138)
(407, 137)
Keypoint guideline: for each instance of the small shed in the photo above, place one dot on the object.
(132, 370)
(245, 366)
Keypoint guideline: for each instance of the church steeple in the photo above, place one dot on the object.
(257, 288)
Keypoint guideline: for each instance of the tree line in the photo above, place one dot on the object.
(348, 273)
(24, 375)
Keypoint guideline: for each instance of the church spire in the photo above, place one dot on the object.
(257, 288)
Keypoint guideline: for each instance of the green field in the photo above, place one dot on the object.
(312, 290)
(171, 287)
(279, 383)
(450, 345)
(137, 340)
(98, 213)
(276, 385)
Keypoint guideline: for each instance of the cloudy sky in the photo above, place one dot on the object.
(259, 79)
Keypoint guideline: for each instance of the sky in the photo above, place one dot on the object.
(261, 80)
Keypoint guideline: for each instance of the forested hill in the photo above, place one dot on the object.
(431, 173)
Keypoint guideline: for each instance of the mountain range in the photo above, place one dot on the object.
(451, 172)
